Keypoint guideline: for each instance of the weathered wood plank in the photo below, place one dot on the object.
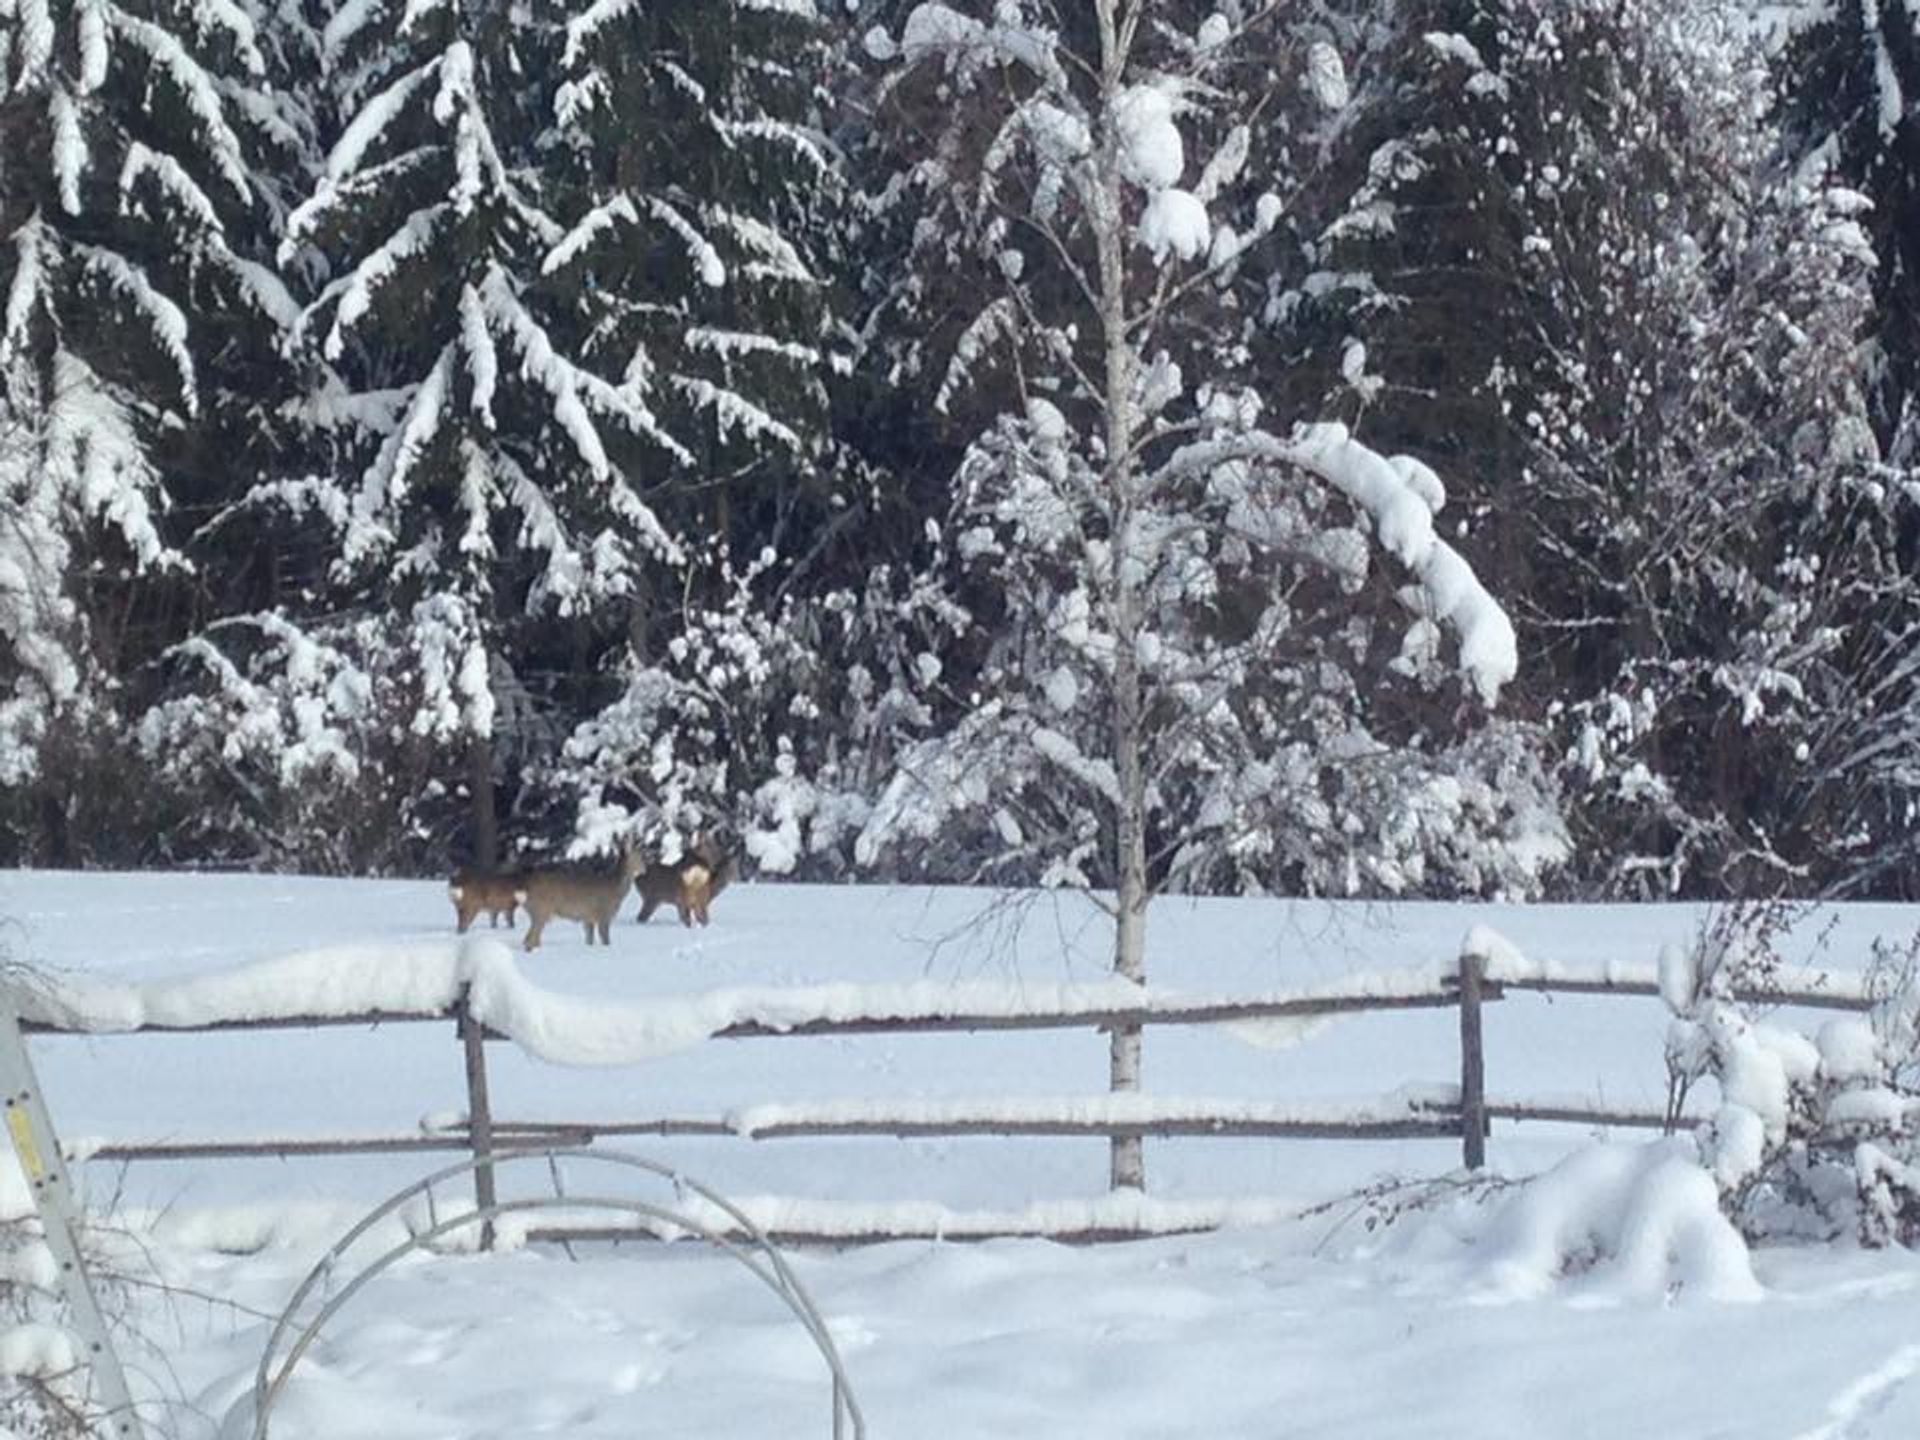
(1583, 1115)
(479, 1112)
(1439, 1124)
(1098, 1018)
(371, 1020)
(270, 1148)
(1473, 1065)
(835, 1239)
(1811, 999)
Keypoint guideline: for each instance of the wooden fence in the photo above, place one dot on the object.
(1466, 1113)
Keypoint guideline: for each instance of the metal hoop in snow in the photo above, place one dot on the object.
(759, 1255)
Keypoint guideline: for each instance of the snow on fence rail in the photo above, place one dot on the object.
(475, 985)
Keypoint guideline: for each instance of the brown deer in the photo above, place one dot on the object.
(691, 882)
(474, 889)
(576, 893)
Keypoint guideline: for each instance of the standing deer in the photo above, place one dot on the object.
(474, 889)
(691, 882)
(576, 893)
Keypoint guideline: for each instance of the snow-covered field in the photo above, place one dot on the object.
(1458, 1321)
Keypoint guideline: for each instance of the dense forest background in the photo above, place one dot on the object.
(968, 442)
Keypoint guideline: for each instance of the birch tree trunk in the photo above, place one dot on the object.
(1128, 1159)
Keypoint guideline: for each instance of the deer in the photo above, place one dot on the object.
(576, 893)
(474, 889)
(691, 882)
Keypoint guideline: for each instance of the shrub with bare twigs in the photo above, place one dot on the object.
(1814, 1134)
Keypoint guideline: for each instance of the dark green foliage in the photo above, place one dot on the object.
(554, 403)
(1635, 341)
(1847, 79)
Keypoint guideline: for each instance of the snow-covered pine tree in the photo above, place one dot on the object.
(1162, 584)
(133, 230)
(574, 317)
(703, 199)
(499, 476)
(1589, 282)
(255, 676)
(1849, 80)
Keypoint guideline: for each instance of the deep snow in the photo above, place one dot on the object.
(1466, 1321)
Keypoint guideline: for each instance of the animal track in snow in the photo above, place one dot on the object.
(1850, 1411)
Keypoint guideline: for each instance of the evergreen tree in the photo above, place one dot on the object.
(132, 213)
(704, 199)
(1849, 75)
(567, 344)
(1658, 405)
(414, 223)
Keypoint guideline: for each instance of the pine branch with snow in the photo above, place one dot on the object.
(701, 195)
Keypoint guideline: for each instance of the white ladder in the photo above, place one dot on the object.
(31, 1129)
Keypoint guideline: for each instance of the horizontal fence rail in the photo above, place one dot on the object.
(1100, 1017)
(1486, 973)
(1804, 996)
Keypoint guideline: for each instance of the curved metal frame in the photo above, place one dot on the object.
(760, 1256)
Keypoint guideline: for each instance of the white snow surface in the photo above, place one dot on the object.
(1636, 1220)
(1471, 1316)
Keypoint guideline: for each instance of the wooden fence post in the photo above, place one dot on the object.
(1473, 1063)
(479, 1112)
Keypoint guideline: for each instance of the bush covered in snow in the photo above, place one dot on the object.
(335, 749)
(1814, 1134)
(43, 1380)
(770, 713)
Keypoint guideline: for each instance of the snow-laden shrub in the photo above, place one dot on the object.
(338, 747)
(1814, 1135)
(769, 714)
(43, 1379)
(1626, 1223)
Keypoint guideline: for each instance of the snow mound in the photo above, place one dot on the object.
(1616, 1223)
